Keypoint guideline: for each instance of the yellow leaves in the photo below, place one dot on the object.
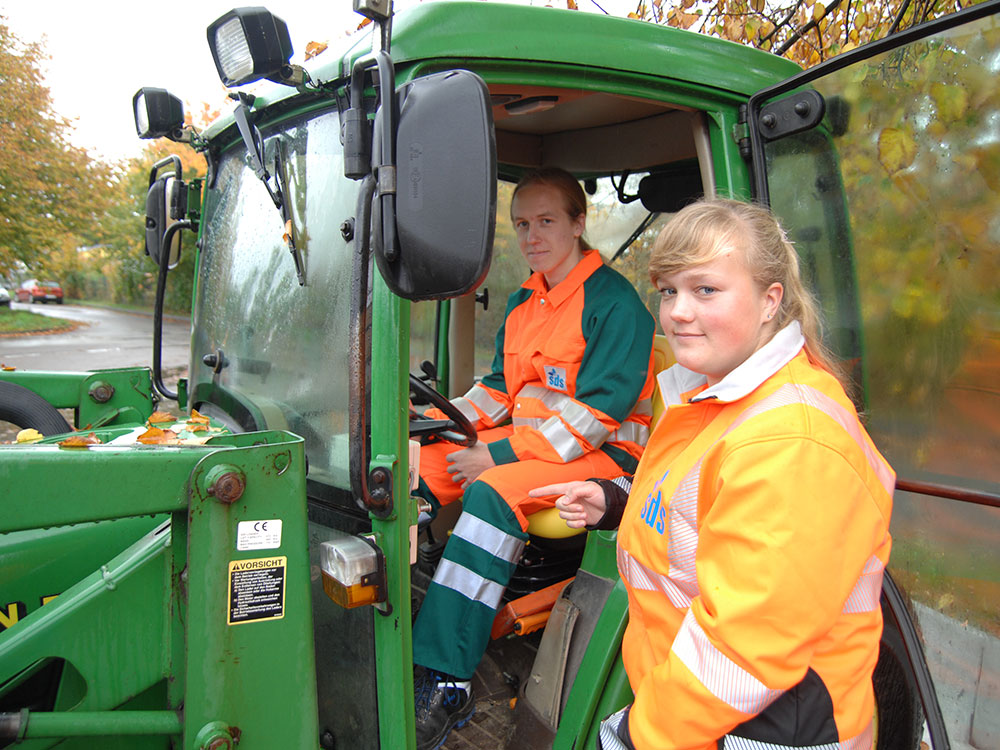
(757, 5)
(988, 164)
(952, 101)
(28, 436)
(315, 48)
(819, 10)
(197, 418)
(195, 430)
(156, 436)
(860, 21)
(8, 368)
(80, 441)
(896, 149)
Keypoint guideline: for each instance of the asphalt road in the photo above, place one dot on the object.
(107, 338)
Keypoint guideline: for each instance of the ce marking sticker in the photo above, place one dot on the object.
(265, 534)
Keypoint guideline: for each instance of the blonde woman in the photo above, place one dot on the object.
(753, 540)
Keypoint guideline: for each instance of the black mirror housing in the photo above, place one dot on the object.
(446, 188)
(157, 113)
(166, 203)
(248, 44)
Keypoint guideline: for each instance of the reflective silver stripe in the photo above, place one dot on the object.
(552, 400)
(465, 406)
(470, 585)
(534, 423)
(641, 578)
(792, 393)
(493, 409)
(863, 741)
(574, 414)
(488, 537)
(630, 432)
(868, 589)
(584, 422)
(644, 408)
(721, 676)
(561, 439)
(682, 546)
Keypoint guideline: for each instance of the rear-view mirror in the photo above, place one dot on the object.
(165, 204)
(445, 188)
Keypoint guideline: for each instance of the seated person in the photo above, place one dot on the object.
(573, 372)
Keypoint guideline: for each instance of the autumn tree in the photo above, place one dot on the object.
(51, 192)
(129, 274)
(806, 31)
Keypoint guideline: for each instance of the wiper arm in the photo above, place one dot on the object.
(254, 143)
(281, 177)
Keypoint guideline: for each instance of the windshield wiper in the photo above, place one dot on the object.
(254, 143)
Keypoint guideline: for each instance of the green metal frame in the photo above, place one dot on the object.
(99, 398)
(157, 613)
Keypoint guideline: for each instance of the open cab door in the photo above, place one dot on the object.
(884, 166)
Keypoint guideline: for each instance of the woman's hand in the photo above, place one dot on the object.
(466, 465)
(580, 503)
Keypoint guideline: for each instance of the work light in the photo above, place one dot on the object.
(249, 44)
(158, 113)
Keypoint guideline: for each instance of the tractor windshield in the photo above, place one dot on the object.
(283, 362)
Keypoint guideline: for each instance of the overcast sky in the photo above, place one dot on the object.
(101, 52)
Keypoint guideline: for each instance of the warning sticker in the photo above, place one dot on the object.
(258, 534)
(256, 589)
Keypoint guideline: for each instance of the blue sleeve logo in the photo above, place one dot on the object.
(654, 510)
(555, 378)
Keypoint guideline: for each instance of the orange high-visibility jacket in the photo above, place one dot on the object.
(752, 548)
(573, 370)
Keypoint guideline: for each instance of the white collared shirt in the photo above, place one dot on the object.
(758, 367)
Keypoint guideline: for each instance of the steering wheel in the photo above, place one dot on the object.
(455, 429)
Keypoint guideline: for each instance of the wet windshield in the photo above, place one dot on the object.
(284, 345)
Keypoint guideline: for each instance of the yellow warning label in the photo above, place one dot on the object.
(256, 590)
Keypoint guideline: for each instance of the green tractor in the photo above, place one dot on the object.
(245, 575)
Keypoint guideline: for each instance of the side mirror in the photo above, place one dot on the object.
(166, 202)
(446, 188)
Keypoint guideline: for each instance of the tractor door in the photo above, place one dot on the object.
(884, 165)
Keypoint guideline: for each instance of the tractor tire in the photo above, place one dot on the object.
(27, 409)
(900, 717)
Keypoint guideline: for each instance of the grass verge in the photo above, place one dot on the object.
(14, 322)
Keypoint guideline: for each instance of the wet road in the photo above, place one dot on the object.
(107, 338)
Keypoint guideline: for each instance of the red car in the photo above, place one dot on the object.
(33, 290)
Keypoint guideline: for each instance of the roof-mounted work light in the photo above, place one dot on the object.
(252, 43)
(158, 114)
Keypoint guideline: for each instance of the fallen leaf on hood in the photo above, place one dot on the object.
(7, 368)
(80, 441)
(156, 436)
(197, 418)
(160, 417)
(29, 435)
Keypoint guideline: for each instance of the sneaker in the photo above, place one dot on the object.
(442, 704)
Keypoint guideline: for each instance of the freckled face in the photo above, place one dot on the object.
(715, 316)
(548, 237)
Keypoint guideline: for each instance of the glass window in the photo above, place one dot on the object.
(910, 237)
(285, 345)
